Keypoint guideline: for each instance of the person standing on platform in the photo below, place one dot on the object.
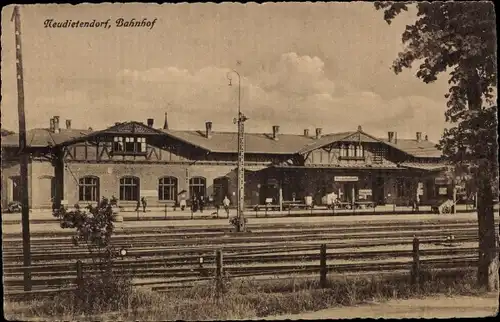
(194, 203)
(226, 203)
(201, 203)
(138, 205)
(182, 203)
(144, 204)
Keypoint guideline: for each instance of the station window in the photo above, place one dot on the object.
(343, 150)
(197, 186)
(403, 187)
(167, 189)
(129, 188)
(129, 144)
(360, 151)
(88, 189)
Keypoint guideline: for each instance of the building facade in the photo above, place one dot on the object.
(132, 160)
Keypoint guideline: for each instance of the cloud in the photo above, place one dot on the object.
(293, 92)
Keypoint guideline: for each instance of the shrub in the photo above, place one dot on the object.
(107, 289)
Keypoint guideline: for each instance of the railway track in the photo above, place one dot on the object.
(170, 255)
(158, 246)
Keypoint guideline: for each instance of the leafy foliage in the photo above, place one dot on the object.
(94, 227)
(459, 38)
(107, 290)
(235, 221)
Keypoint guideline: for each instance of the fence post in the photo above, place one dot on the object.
(79, 274)
(165, 211)
(415, 274)
(192, 214)
(137, 214)
(322, 266)
(218, 273)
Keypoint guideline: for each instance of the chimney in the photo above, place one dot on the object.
(165, 125)
(390, 136)
(426, 138)
(318, 133)
(52, 129)
(306, 132)
(56, 124)
(68, 124)
(276, 132)
(419, 136)
(150, 122)
(208, 129)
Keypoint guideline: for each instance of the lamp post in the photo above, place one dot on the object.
(241, 156)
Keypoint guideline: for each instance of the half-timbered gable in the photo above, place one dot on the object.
(356, 149)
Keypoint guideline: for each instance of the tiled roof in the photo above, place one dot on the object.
(227, 142)
(419, 149)
(324, 140)
(43, 137)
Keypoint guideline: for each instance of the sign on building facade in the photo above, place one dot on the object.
(346, 178)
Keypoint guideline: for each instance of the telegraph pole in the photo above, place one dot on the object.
(23, 154)
(241, 157)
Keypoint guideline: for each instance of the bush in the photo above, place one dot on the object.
(235, 222)
(106, 289)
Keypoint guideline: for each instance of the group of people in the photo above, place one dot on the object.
(197, 203)
(144, 204)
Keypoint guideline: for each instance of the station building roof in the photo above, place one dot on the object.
(226, 142)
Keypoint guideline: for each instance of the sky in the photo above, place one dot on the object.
(320, 65)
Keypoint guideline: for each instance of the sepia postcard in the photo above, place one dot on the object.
(233, 161)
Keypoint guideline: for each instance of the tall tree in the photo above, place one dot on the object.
(458, 40)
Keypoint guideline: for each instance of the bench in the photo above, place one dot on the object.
(294, 205)
(364, 204)
(266, 207)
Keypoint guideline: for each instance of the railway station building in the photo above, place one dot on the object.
(133, 159)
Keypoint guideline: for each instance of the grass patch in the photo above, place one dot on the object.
(247, 298)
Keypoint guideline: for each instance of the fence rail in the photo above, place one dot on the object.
(188, 270)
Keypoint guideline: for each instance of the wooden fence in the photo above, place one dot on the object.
(172, 272)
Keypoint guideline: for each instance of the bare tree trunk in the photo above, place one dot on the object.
(487, 273)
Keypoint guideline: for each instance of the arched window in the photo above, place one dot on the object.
(197, 186)
(343, 151)
(359, 150)
(129, 188)
(167, 189)
(352, 150)
(88, 188)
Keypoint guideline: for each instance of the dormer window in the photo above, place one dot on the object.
(359, 151)
(352, 152)
(129, 145)
(118, 144)
(343, 150)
